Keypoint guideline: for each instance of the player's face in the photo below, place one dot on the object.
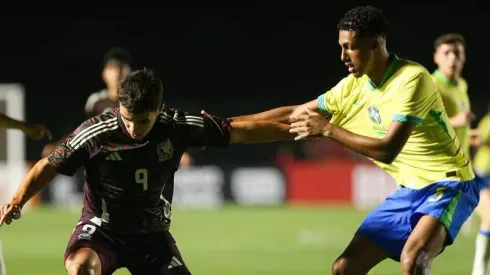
(114, 73)
(138, 125)
(450, 59)
(356, 52)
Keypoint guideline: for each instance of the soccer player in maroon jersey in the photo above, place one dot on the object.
(130, 156)
(117, 65)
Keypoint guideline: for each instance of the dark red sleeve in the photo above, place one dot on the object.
(74, 151)
(200, 129)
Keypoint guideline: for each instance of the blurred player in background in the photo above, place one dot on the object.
(117, 65)
(481, 163)
(130, 155)
(450, 57)
(389, 110)
(34, 131)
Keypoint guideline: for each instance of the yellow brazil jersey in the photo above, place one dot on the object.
(408, 94)
(481, 162)
(455, 99)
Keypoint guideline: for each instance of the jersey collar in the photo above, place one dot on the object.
(444, 79)
(389, 73)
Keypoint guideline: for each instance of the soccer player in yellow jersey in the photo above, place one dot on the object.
(389, 110)
(481, 164)
(450, 57)
(34, 131)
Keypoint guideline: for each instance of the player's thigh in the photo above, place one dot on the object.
(92, 250)
(360, 256)
(158, 254)
(427, 240)
(441, 211)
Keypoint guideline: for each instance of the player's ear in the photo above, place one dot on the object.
(376, 43)
(436, 58)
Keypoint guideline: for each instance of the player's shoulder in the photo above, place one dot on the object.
(463, 84)
(485, 121)
(349, 84)
(409, 69)
(103, 121)
(93, 130)
(94, 98)
(175, 117)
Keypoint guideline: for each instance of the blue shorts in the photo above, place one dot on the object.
(390, 224)
(483, 179)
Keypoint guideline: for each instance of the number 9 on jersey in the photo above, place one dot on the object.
(141, 177)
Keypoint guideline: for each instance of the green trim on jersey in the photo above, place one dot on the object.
(444, 79)
(389, 73)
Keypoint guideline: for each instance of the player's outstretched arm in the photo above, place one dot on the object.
(37, 178)
(386, 149)
(258, 132)
(280, 115)
(36, 131)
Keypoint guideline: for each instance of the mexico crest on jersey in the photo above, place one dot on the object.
(374, 114)
(165, 150)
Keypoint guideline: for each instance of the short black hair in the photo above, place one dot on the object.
(449, 38)
(366, 21)
(120, 55)
(141, 91)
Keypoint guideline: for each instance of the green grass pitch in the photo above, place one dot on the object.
(233, 240)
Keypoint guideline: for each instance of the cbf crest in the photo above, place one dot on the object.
(374, 114)
(165, 150)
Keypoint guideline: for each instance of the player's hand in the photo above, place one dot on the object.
(308, 124)
(475, 139)
(473, 116)
(37, 132)
(8, 213)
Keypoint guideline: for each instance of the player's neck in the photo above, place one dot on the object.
(112, 93)
(380, 65)
(451, 77)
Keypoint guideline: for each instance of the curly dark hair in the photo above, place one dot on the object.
(141, 91)
(366, 21)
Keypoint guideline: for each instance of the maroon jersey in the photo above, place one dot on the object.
(129, 184)
(98, 103)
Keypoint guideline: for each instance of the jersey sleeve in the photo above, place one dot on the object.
(330, 102)
(414, 99)
(90, 104)
(484, 128)
(200, 129)
(73, 152)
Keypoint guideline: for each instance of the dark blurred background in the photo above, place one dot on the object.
(228, 61)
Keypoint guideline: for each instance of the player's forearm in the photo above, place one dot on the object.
(8, 122)
(280, 115)
(259, 131)
(37, 178)
(457, 122)
(374, 148)
(462, 119)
